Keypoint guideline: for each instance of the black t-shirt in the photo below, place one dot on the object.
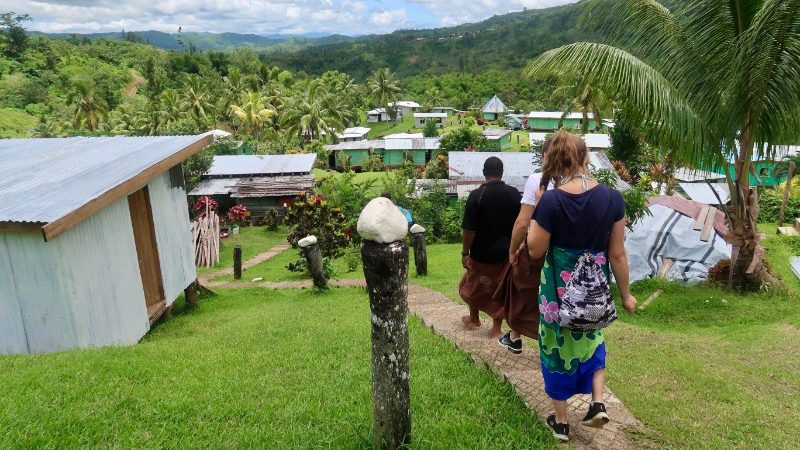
(580, 221)
(490, 212)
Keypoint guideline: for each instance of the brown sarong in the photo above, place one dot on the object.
(478, 285)
(518, 291)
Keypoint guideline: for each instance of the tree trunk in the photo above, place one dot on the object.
(420, 253)
(747, 266)
(386, 272)
(315, 265)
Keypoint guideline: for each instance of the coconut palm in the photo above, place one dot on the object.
(88, 104)
(383, 88)
(713, 80)
(434, 97)
(170, 107)
(253, 113)
(198, 101)
(581, 96)
(311, 112)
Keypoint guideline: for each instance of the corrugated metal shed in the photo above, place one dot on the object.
(416, 143)
(430, 115)
(214, 186)
(42, 180)
(254, 165)
(701, 192)
(494, 106)
(495, 133)
(260, 187)
(470, 164)
(694, 175)
(357, 145)
(556, 115)
(405, 104)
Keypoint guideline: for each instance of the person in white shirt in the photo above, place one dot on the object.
(523, 315)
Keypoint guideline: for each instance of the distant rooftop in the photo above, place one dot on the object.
(241, 165)
(495, 133)
(495, 106)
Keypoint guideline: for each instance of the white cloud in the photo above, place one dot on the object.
(395, 18)
(257, 16)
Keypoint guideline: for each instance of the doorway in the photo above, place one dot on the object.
(144, 235)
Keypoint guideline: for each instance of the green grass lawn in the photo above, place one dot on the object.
(246, 370)
(274, 269)
(254, 240)
(15, 123)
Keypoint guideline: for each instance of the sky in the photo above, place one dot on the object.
(349, 17)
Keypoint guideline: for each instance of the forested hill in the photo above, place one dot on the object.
(501, 42)
(208, 41)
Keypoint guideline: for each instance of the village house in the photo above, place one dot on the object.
(414, 146)
(259, 182)
(353, 134)
(405, 108)
(498, 138)
(597, 141)
(94, 239)
(357, 151)
(420, 119)
(377, 115)
(494, 109)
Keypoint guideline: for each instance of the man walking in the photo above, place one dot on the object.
(488, 221)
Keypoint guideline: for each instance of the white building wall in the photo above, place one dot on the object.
(173, 233)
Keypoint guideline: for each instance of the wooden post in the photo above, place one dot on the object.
(420, 252)
(191, 294)
(313, 256)
(237, 262)
(385, 257)
(786, 191)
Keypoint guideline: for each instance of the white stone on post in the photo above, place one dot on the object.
(420, 251)
(308, 245)
(385, 257)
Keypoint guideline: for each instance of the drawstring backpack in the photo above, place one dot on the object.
(587, 303)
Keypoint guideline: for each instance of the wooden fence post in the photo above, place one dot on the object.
(420, 252)
(311, 251)
(237, 262)
(385, 257)
(786, 192)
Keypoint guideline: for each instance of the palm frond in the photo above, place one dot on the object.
(655, 99)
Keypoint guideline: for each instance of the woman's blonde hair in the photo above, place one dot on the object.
(565, 154)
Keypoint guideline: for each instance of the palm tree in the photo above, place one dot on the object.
(311, 112)
(711, 81)
(170, 107)
(198, 101)
(89, 105)
(434, 97)
(383, 89)
(583, 97)
(254, 113)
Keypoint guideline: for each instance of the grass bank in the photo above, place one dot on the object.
(255, 368)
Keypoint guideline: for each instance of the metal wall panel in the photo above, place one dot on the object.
(101, 270)
(12, 330)
(173, 234)
(44, 300)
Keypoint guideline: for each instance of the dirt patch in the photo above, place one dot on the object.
(133, 86)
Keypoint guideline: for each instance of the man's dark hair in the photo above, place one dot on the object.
(493, 167)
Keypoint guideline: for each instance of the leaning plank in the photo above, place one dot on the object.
(701, 219)
(666, 265)
(650, 299)
(708, 227)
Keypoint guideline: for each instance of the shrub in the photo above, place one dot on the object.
(272, 219)
(343, 161)
(312, 215)
(373, 163)
(352, 258)
(437, 167)
(635, 197)
(771, 199)
(344, 194)
(463, 138)
(431, 129)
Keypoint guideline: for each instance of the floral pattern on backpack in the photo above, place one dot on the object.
(586, 301)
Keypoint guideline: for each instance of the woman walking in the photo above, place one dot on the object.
(578, 225)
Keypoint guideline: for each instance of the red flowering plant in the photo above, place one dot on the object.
(203, 206)
(237, 213)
